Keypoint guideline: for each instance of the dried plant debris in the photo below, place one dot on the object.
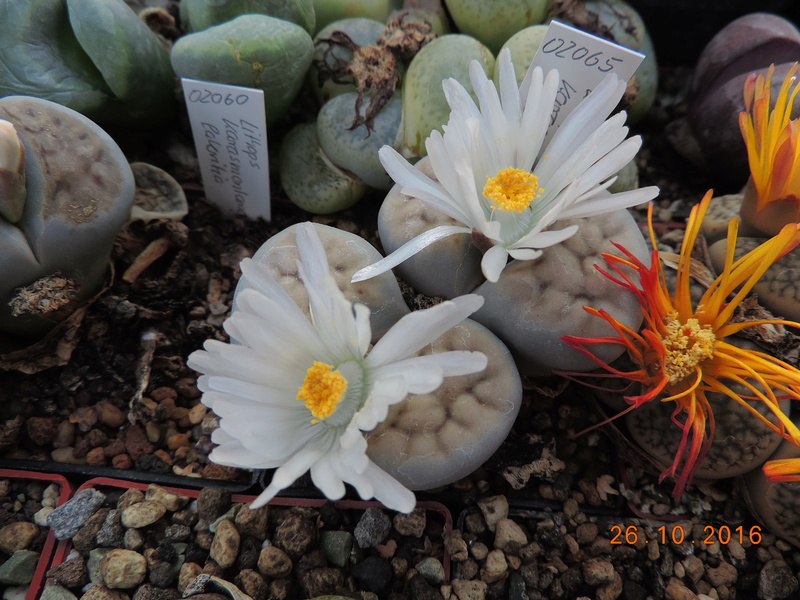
(375, 69)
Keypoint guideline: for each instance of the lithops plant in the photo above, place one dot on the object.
(197, 15)
(309, 177)
(741, 442)
(94, 56)
(776, 504)
(747, 45)
(355, 149)
(430, 440)
(424, 105)
(329, 11)
(252, 50)
(56, 236)
(494, 22)
(346, 253)
(535, 303)
(326, 75)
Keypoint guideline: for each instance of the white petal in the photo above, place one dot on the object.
(419, 328)
(611, 203)
(324, 476)
(493, 263)
(393, 494)
(410, 248)
(544, 239)
(448, 364)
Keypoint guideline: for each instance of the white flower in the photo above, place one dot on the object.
(492, 175)
(296, 394)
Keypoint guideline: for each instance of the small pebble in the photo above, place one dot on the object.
(494, 509)
(123, 569)
(372, 527)
(225, 546)
(412, 524)
(469, 590)
(142, 514)
(274, 562)
(67, 519)
(432, 570)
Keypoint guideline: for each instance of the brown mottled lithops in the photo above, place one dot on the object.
(346, 253)
(776, 504)
(429, 440)
(779, 288)
(741, 441)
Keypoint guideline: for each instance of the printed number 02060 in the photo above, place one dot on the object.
(208, 97)
(579, 53)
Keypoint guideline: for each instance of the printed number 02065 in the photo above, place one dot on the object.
(580, 53)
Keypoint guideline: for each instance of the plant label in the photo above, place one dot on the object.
(583, 61)
(230, 135)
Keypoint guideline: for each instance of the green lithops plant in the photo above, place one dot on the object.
(494, 22)
(60, 214)
(309, 177)
(328, 11)
(424, 104)
(94, 56)
(252, 50)
(197, 15)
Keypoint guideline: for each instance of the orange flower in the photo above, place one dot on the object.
(773, 151)
(681, 351)
(785, 469)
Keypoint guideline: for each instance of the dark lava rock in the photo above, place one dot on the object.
(777, 581)
(112, 532)
(70, 574)
(419, 589)
(372, 574)
(319, 582)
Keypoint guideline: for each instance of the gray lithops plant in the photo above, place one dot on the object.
(430, 440)
(346, 253)
(94, 56)
(252, 50)
(55, 244)
(356, 149)
(534, 303)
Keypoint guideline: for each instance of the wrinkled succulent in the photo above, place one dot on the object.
(61, 210)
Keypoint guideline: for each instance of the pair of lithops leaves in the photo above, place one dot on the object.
(66, 189)
(94, 56)
(428, 440)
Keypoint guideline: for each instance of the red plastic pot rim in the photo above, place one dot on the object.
(48, 555)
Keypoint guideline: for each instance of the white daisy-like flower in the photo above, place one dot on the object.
(296, 394)
(494, 174)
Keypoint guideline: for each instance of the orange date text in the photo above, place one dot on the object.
(676, 534)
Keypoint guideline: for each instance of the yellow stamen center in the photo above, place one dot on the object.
(322, 390)
(687, 345)
(512, 189)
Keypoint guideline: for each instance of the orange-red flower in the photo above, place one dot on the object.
(785, 469)
(681, 352)
(773, 151)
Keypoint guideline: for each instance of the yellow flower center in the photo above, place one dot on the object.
(322, 390)
(687, 344)
(512, 189)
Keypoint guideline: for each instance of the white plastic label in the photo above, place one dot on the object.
(230, 134)
(582, 60)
